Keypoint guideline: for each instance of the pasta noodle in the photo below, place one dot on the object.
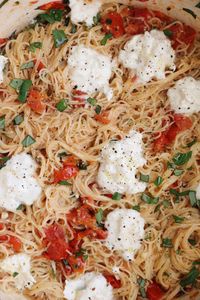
(143, 108)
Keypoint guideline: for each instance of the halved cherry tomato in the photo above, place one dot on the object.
(116, 283)
(57, 247)
(102, 118)
(154, 292)
(40, 65)
(69, 170)
(82, 216)
(13, 241)
(136, 27)
(52, 5)
(181, 123)
(76, 263)
(70, 161)
(113, 23)
(34, 101)
(182, 33)
(3, 42)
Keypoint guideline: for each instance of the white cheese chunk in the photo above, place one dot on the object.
(90, 70)
(17, 182)
(119, 163)
(125, 231)
(184, 97)
(3, 61)
(19, 266)
(148, 55)
(198, 192)
(84, 10)
(91, 286)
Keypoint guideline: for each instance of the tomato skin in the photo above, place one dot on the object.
(40, 65)
(76, 263)
(52, 5)
(57, 247)
(182, 33)
(102, 118)
(65, 174)
(13, 241)
(115, 283)
(154, 292)
(3, 42)
(113, 23)
(34, 101)
(182, 122)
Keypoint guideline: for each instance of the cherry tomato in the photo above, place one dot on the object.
(113, 23)
(102, 118)
(116, 283)
(13, 241)
(40, 65)
(65, 173)
(52, 5)
(182, 33)
(154, 292)
(34, 101)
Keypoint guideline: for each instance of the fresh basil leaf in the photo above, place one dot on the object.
(179, 194)
(166, 203)
(189, 11)
(2, 122)
(149, 200)
(192, 242)
(56, 14)
(85, 257)
(106, 38)
(98, 109)
(62, 105)
(46, 18)
(136, 207)
(192, 143)
(80, 252)
(92, 101)
(168, 32)
(74, 28)
(15, 274)
(158, 181)
(190, 278)
(167, 243)
(24, 90)
(34, 46)
(82, 165)
(182, 158)
(99, 216)
(178, 172)
(171, 165)
(3, 161)
(193, 198)
(18, 119)
(62, 154)
(178, 219)
(27, 65)
(59, 37)
(64, 182)
(116, 196)
(28, 141)
(144, 178)
(142, 283)
(96, 19)
(16, 83)
(21, 207)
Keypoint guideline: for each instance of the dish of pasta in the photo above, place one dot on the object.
(99, 152)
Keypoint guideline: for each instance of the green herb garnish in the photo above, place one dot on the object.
(158, 181)
(178, 172)
(144, 178)
(107, 37)
(92, 101)
(64, 182)
(168, 32)
(18, 119)
(2, 122)
(167, 243)
(149, 200)
(3, 161)
(59, 37)
(54, 15)
(182, 158)
(15, 274)
(142, 283)
(98, 109)
(27, 65)
(74, 28)
(193, 198)
(190, 278)
(28, 141)
(34, 46)
(62, 105)
(192, 143)
(96, 19)
(116, 196)
(16, 83)
(99, 216)
(192, 242)
(24, 90)
(82, 165)
(166, 203)
(136, 207)
(178, 219)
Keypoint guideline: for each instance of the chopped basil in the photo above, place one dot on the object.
(192, 143)
(149, 200)
(34, 46)
(144, 178)
(80, 252)
(54, 15)
(192, 242)
(92, 101)
(116, 196)
(166, 203)
(168, 32)
(190, 278)
(196, 263)
(67, 21)
(98, 109)
(136, 207)
(193, 198)
(21, 207)
(61, 154)
(64, 182)
(82, 165)
(158, 181)
(2, 122)
(171, 165)
(74, 28)
(59, 37)
(15, 274)
(167, 243)
(142, 283)
(18, 119)
(182, 158)
(96, 19)
(189, 11)
(62, 105)
(178, 219)
(28, 141)
(178, 251)
(85, 257)
(24, 89)
(106, 38)
(198, 5)
(3, 161)
(27, 65)
(178, 172)
(16, 83)
(99, 216)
